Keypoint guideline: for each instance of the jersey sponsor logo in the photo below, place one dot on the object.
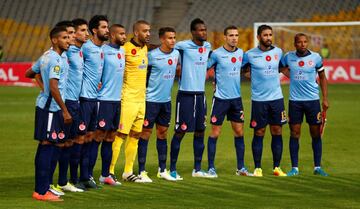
(57, 69)
(133, 51)
(253, 124)
(80, 54)
(143, 66)
(201, 50)
(233, 59)
(301, 63)
(146, 122)
(54, 135)
(183, 127)
(268, 58)
(170, 62)
(82, 127)
(311, 63)
(61, 135)
(213, 119)
(102, 123)
(119, 56)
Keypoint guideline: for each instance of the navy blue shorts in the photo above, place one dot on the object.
(311, 109)
(50, 126)
(88, 114)
(232, 108)
(109, 115)
(159, 113)
(190, 112)
(267, 112)
(74, 110)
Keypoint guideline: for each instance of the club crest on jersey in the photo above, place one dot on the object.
(276, 57)
(54, 135)
(102, 123)
(311, 63)
(183, 127)
(80, 54)
(253, 124)
(61, 135)
(301, 63)
(146, 122)
(133, 51)
(213, 119)
(233, 59)
(201, 50)
(283, 116)
(82, 127)
(119, 56)
(268, 58)
(170, 62)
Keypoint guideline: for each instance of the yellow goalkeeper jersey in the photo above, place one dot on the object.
(136, 62)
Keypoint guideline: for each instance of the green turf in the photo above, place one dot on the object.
(341, 155)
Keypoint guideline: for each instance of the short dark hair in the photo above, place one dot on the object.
(116, 26)
(230, 27)
(163, 30)
(95, 22)
(196, 22)
(56, 30)
(261, 28)
(139, 22)
(66, 23)
(79, 21)
(298, 35)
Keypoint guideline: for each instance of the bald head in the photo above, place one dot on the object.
(117, 34)
(141, 30)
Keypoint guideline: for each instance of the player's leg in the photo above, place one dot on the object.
(277, 119)
(259, 120)
(313, 118)
(116, 145)
(218, 110)
(296, 115)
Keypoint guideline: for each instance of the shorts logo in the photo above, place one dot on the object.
(102, 123)
(311, 63)
(146, 122)
(233, 59)
(242, 117)
(54, 135)
(301, 63)
(253, 124)
(183, 127)
(80, 54)
(318, 117)
(61, 135)
(283, 116)
(119, 56)
(170, 62)
(213, 119)
(268, 58)
(82, 127)
(201, 50)
(102, 55)
(276, 57)
(240, 59)
(133, 51)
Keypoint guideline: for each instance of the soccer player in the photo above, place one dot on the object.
(161, 73)
(132, 99)
(51, 117)
(303, 66)
(74, 82)
(267, 105)
(109, 98)
(93, 66)
(190, 101)
(227, 63)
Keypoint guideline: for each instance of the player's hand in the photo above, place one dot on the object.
(214, 85)
(67, 117)
(99, 86)
(325, 104)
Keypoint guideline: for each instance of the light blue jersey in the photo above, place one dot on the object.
(52, 66)
(36, 69)
(193, 65)
(303, 72)
(93, 67)
(76, 68)
(227, 66)
(265, 79)
(161, 74)
(113, 73)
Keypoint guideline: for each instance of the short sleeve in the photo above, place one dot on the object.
(212, 60)
(54, 70)
(319, 64)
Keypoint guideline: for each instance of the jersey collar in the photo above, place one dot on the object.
(230, 51)
(135, 44)
(304, 55)
(271, 48)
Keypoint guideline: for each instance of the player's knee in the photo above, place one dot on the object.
(146, 133)
(199, 134)
(179, 135)
(260, 132)
(276, 130)
(121, 135)
(79, 139)
(134, 134)
(69, 143)
(161, 133)
(315, 131)
(295, 133)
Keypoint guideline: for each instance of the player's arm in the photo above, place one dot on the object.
(324, 89)
(285, 71)
(39, 81)
(53, 82)
(246, 66)
(30, 73)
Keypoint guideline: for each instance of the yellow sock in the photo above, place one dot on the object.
(116, 147)
(131, 146)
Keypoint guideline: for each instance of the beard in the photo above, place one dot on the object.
(266, 43)
(103, 37)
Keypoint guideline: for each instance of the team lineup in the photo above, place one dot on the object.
(106, 91)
